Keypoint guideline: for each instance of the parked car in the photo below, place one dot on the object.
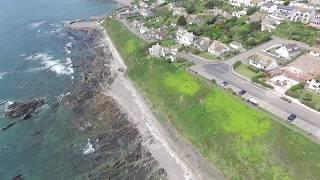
(253, 101)
(242, 92)
(224, 84)
(292, 117)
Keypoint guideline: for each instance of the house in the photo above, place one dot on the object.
(239, 14)
(218, 49)
(146, 12)
(315, 52)
(159, 51)
(268, 7)
(302, 14)
(179, 11)
(269, 24)
(128, 13)
(184, 37)
(288, 50)
(282, 12)
(245, 3)
(313, 85)
(202, 43)
(263, 62)
(160, 2)
(236, 45)
(143, 29)
(315, 22)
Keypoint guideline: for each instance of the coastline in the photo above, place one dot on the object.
(169, 148)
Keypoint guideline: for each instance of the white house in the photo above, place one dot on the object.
(146, 12)
(314, 85)
(178, 11)
(217, 48)
(202, 43)
(143, 29)
(303, 14)
(159, 51)
(263, 62)
(288, 50)
(315, 52)
(236, 45)
(246, 3)
(239, 14)
(184, 37)
(282, 12)
(315, 22)
(268, 7)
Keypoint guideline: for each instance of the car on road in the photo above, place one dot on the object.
(224, 84)
(242, 92)
(292, 117)
(253, 101)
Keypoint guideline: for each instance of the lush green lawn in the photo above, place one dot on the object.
(242, 142)
(244, 70)
(298, 31)
(208, 56)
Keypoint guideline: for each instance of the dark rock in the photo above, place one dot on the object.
(18, 177)
(24, 110)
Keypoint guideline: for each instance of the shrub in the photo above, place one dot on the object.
(182, 21)
(253, 69)
(309, 104)
(251, 10)
(257, 80)
(293, 94)
(191, 9)
(236, 64)
(306, 96)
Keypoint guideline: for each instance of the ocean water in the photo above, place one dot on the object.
(36, 61)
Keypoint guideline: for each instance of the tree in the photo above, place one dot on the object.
(286, 2)
(191, 9)
(251, 10)
(181, 21)
(212, 3)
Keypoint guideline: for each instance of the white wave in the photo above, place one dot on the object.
(36, 24)
(68, 47)
(2, 74)
(88, 148)
(54, 65)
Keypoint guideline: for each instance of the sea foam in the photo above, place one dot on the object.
(35, 25)
(55, 65)
(88, 149)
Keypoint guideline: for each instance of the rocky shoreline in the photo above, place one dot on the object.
(118, 151)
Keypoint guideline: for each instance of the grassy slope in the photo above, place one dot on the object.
(298, 31)
(243, 143)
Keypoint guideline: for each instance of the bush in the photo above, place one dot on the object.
(306, 96)
(258, 81)
(251, 10)
(253, 69)
(293, 94)
(310, 104)
(191, 9)
(236, 64)
(181, 21)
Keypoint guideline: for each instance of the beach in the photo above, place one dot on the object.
(174, 154)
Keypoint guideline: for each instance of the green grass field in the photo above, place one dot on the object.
(245, 71)
(208, 56)
(242, 142)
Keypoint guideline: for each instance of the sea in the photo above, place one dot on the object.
(36, 61)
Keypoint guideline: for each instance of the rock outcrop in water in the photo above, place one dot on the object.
(18, 109)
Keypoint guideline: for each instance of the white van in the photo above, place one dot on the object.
(253, 101)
